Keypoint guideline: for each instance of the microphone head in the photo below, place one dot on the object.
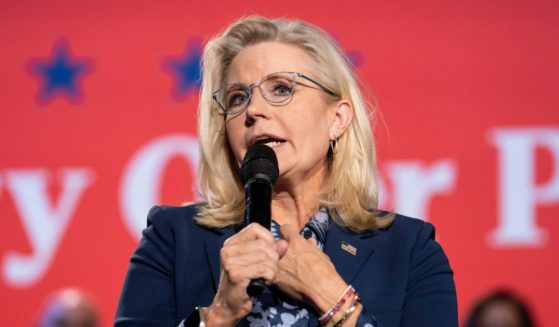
(259, 159)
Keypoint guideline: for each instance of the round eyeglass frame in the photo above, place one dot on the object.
(285, 101)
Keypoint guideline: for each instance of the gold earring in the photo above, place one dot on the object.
(333, 146)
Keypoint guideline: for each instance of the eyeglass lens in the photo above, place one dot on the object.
(276, 89)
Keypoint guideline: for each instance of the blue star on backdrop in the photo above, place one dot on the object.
(185, 69)
(355, 58)
(60, 74)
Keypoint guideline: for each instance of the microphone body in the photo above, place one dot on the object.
(258, 197)
(259, 172)
(258, 201)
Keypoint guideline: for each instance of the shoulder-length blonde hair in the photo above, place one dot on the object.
(350, 188)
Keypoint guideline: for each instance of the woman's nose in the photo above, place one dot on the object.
(258, 107)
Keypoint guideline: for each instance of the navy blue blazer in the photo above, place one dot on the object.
(401, 273)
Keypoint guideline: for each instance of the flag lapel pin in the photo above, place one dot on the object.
(349, 248)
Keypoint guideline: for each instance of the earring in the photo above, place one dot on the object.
(333, 146)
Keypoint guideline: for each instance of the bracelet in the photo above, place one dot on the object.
(202, 320)
(325, 318)
(349, 311)
(196, 318)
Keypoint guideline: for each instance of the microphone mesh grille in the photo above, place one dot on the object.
(260, 159)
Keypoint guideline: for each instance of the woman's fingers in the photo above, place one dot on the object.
(302, 265)
(241, 274)
(249, 254)
(254, 259)
(258, 249)
(245, 256)
(281, 247)
(251, 232)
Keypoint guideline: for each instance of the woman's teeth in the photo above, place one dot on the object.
(271, 144)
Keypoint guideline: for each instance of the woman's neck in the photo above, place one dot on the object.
(296, 203)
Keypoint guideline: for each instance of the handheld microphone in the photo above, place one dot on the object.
(259, 172)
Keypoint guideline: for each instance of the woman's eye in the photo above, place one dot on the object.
(236, 99)
(281, 89)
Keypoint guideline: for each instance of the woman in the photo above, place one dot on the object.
(331, 258)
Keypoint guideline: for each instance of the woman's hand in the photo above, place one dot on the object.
(247, 255)
(305, 273)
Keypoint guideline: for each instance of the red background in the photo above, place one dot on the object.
(445, 73)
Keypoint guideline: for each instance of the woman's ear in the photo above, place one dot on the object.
(343, 115)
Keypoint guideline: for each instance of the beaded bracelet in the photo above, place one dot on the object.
(349, 311)
(347, 293)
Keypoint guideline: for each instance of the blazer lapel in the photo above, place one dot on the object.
(347, 250)
(213, 247)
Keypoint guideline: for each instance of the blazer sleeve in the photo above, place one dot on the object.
(431, 294)
(147, 297)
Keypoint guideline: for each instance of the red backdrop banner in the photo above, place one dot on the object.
(98, 120)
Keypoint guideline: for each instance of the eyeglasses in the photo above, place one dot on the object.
(277, 89)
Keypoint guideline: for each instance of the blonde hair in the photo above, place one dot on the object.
(350, 188)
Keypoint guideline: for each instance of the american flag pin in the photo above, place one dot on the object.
(349, 248)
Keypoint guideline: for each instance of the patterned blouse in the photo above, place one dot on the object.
(272, 308)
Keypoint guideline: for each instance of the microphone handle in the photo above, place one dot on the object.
(256, 287)
(258, 196)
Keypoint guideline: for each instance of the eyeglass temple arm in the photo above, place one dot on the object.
(317, 83)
